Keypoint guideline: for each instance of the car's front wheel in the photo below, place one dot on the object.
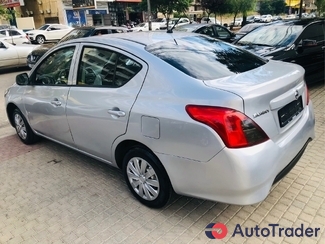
(23, 129)
(146, 178)
(40, 39)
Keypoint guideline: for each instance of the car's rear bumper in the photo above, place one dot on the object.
(241, 176)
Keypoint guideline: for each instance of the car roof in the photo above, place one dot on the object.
(111, 28)
(100, 27)
(196, 26)
(132, 42)
(144, 38)
(302, 22)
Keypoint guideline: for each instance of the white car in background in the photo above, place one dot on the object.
(145, 26)
(14, 55)
(161, 21)
(176, 22)
(266, 18)
(238, 22)
(48, 32)
(210, 20)
(14, 36)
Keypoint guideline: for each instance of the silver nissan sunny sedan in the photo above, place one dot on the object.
(175, 111)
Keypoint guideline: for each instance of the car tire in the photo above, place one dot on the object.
(23, 129)
(40, 39)
(146, 178)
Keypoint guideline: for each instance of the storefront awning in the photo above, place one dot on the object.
(10, 3)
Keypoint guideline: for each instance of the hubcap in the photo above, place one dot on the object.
(20, 127)
(143, 178)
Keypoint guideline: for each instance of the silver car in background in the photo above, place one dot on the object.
(176, 112)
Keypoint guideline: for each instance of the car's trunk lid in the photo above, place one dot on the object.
(273, 94)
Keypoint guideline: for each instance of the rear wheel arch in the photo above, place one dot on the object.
(10, 110)
(125, 146)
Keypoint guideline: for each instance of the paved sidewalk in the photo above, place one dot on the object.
(50, 194)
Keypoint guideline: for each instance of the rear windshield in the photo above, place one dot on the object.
(205, 58)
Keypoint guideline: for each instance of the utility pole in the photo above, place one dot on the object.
(300, 10)
(149, 15)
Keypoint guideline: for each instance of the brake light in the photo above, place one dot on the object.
(235, 128)
(307, 95)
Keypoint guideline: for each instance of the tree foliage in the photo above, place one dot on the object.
(215, 6)
(278, 6)
(5, 14)
(241, 6)
(166, 7)
(272, 7)
(320, 6)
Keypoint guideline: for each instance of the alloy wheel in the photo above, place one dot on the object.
(40, 39)
(20, 126)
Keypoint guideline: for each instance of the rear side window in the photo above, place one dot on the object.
(205, 58)
(103, 67)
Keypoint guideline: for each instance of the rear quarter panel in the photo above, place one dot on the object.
(164, 95)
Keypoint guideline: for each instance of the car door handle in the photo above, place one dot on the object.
(323, 47)
(117, 113)
(56, 102)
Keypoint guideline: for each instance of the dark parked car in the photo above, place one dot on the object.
(247, 28)
(212, 30)
(250, 27)
(295, 41)
(78, 32)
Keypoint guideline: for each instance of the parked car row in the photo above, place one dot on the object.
(295, 41)
(302, 46)
(212, 30)
(14, 36)
(76, 33)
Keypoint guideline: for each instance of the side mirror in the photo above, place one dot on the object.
(22, 79)
(309, 43)
(233, 34)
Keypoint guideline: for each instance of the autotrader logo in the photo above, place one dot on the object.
(216, 231)
(219, 231)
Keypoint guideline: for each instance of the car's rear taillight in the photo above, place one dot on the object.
(235, 128)
(307, 95)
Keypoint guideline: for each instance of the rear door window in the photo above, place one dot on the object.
(205, 58)
(105, 68)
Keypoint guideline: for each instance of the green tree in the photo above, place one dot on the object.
(320, 6)
(215, 7)
(166, 7)
(243, 7)
(278, 6)
(272, 7)
(5, 14)
(266, 7)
